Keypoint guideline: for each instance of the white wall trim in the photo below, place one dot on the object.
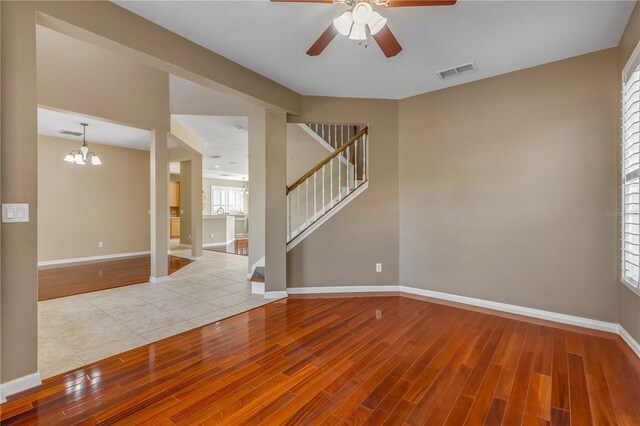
(158, 280)
(515, 309)
(488, 304)
(349, 198)
(92, 258)
(218, 244)
(275, 294)
(635, 346)
(344, 289)
(20, 384)
(257, 288)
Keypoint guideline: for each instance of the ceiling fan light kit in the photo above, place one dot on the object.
(355, 22)
(358, 32)
(343, 23)
(376, 23)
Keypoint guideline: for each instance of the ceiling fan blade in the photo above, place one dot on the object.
(323, 41)
(387, 42)
(409, 3)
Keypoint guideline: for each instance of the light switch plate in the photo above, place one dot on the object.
(15, 213)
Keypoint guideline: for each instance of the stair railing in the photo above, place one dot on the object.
(326, 184)
(335, 135)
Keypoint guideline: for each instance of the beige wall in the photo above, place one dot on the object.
(629, 301)
(345, 249)
(107, 25)
(19, 147)
(76, 76)
(303, 152)
(80, 206)
(111, 27)
(569, 250)
(505, 184)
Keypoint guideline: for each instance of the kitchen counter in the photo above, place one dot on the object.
(218, 230)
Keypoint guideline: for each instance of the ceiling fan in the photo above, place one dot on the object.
(360, 18)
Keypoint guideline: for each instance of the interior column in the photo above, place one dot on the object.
(185, 202)
(256, 193)
(19, 134)
(275, 204)
(196, 207)
(159, 207)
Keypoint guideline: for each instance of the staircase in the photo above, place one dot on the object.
(332, 183)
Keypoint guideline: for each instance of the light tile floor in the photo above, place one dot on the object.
(77, 330)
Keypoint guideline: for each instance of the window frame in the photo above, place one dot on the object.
(630, 68)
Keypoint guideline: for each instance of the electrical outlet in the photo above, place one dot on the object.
(211, 235)
(100, 244)
(378, 267)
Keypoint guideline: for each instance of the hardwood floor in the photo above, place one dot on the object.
(239, 246)
(88, 277)
(352, 360)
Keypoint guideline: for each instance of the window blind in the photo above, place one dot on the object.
(231, 200)
(631, 171)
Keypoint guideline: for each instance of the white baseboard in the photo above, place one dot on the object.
(344, 289)
(218, 244)
(497, 306)
(275, 294)
(20, 384)
(635, 346)
(519, 310)
(158, 280)
(257, 288)
(92, 258)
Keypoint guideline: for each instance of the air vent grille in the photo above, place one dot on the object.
(456, 71)
(70, 133)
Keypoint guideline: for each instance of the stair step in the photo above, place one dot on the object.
(258, 275)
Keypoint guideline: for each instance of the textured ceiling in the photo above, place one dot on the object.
(51, 123)
(500, 36)
(226, 137)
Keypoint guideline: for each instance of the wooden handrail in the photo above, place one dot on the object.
(333, 155)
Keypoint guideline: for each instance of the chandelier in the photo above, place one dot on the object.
(83, 156)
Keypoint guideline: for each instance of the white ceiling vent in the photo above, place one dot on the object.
(456, 71)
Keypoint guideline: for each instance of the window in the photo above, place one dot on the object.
(227, 200)
(631, 171)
